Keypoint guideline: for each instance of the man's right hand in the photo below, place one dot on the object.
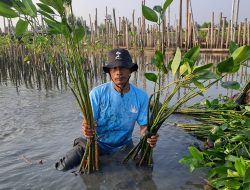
(87, 131)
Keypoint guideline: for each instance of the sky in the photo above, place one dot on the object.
(202, 9)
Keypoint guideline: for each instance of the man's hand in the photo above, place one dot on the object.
(152, 140)
(87, 131)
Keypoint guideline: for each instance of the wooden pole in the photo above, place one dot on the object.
(106, 25)
(222, 32)
(244, 32)
(218, 32)
(228, 34)
(212, 31)
(163, 38)
(187, 24)
(119, 28)
(143, 26)
(168, 28)
(237, 12)
(180, 25)
(239, 34)
(133, 30)
(115, 29)
(96, 27)
(248, 32)
(232, 21)
(127, 37)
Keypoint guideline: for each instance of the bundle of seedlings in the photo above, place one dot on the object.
(71, 31)
(185, 74)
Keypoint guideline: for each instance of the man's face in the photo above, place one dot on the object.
(119, 75)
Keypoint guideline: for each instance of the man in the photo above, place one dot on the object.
(117, 106)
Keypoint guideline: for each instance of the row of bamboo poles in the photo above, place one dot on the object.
(137, 34)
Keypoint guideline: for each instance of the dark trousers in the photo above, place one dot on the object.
(73, 157)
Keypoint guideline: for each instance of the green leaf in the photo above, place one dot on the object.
(6, 11)
(195, 153)
(20, 7)
(233, 184)
(231, 158)
(226, 66)
(246, 186)
(205, 75)
(231, 173)
(157, 8)
(240, 167)
(237, 138)
(176, 61)
(166, 4)
(247, 176)
(158, 61)
(198, 84)
(56, 4)
(203, 67)
(21, 27)
(151, 77)
(241, 54)
(30, 7)
(46, 15)
(232, 47)
(45, 8)
(192, 55)
(149, 14)
(79, 34)
(54, 26)
(183, 68)
(231, 85)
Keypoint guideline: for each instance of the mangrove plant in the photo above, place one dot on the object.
(185, 73)
(61, 23)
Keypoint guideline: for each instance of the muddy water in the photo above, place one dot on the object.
(38, 126)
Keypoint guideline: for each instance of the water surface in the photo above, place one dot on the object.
(38, 126)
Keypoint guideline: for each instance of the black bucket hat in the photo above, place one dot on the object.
(119, 58)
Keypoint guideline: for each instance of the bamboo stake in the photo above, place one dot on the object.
(244, 31)
(187, 24)
(180, 25)
(222, 32)
(119, 32)
(232, 21)
(168, 28)
(239, 34)
(218, 32)
(96, 27)
(248, 32)
(127, 36)
(228, 34)
(133, 30)
(212, 31)
(115, 29)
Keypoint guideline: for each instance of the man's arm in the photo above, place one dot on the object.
(152, 140)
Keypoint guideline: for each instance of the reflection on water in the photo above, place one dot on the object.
(39, 123)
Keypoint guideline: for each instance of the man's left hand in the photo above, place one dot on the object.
(153, 140)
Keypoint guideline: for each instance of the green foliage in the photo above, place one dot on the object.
(149, 14)
(185, 74)
(7, 11)
(151, 77)
(30, 8)
(231, 85)
(176, 62)
(21, 27)
(166, 5)
(228, 160)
